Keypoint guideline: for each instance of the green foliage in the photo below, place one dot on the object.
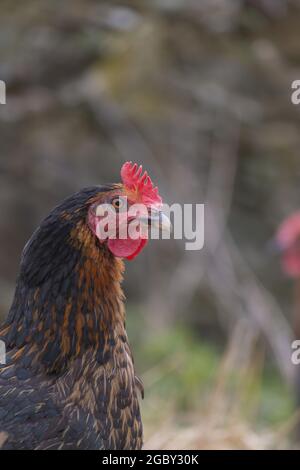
(181, 371)
(186, 367)
(276, 400)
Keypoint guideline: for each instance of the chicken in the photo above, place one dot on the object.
(287, 243)
(69, 380)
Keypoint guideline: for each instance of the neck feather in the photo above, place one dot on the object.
(72, 304)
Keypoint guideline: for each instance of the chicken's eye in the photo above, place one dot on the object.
(118, 203)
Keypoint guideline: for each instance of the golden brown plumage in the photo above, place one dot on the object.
(69, 381)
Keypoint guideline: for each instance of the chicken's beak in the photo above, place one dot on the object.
(157, 220)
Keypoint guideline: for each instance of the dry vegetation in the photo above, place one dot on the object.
(228, 418)
(2, 438)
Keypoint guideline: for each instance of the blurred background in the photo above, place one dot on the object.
(199, 92)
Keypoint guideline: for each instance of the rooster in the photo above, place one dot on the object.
(69, 380)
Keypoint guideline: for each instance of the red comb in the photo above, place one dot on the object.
(134, 180)
(289, 231)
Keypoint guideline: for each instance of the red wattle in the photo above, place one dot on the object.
(128, 248)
